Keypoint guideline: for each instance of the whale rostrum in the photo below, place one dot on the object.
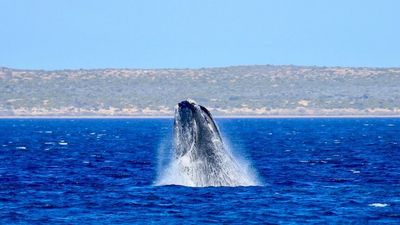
(199, 153)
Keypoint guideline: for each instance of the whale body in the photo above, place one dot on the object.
(200, 157)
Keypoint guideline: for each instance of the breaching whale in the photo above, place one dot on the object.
(200, 158)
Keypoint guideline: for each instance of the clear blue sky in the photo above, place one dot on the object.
(50, 34)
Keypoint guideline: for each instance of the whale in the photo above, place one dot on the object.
(200, 156)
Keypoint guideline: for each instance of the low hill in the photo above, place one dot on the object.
(239, 90)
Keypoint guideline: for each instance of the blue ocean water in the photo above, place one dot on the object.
(102, 171)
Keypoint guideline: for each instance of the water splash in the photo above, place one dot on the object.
(198, 157)
(178, 171)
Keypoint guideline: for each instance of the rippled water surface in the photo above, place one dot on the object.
(98, 171)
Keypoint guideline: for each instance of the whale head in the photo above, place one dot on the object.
(195, 130)
(200, 159)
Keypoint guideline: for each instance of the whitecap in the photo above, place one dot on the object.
(378, 205)
(100, 136)
(21, 148)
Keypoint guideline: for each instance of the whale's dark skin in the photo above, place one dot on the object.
(199, 149)
(197, 128)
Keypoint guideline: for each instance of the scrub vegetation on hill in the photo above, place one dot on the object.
(239, 90)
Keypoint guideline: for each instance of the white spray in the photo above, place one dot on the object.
(199, 157)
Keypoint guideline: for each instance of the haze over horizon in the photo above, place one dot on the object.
(199, 68)
(53, 35)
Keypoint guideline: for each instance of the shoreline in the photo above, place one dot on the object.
(217, 117)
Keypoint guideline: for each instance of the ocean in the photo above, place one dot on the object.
(104, 171)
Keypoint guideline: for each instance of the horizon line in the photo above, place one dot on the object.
(217, 117)
(200, 68)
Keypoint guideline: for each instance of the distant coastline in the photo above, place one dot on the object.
(258, 91)
(217, 117)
